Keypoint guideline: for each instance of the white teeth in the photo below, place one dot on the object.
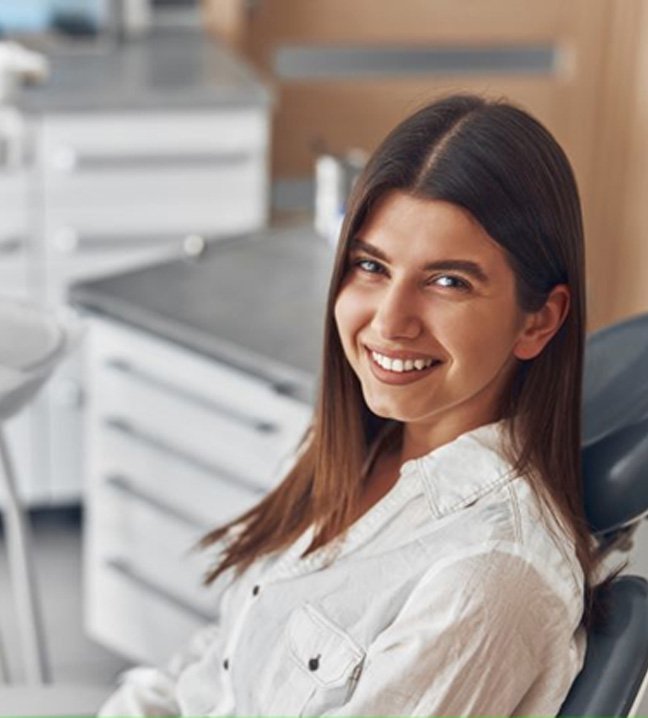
(400, 365)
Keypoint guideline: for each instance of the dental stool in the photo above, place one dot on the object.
(32, 343)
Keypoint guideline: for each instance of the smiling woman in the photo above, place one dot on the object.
(426, 283)
(427, 554)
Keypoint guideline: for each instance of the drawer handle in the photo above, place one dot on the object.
(134, 576)
(125, 486)
(127, 429)
(67, 240)
(67, 160)
(262, 426)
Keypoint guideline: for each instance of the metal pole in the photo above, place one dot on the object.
(22, 575)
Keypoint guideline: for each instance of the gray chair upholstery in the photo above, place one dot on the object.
(617, 656)
(615, 471)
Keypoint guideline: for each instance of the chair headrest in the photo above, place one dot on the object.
(615, 387)
(615, 471)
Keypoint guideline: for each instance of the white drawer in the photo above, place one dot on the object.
(113, 212)
(73, 142)
(177, 444)
(125, 613)
(195, 495)
(213, 182)
(236, 426)
(135, 531)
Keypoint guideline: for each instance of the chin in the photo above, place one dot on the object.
(389, 411)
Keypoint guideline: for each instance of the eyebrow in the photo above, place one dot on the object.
(464, 265)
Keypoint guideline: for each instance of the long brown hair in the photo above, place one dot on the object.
(504, 167)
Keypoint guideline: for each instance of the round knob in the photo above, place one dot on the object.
(193, 245)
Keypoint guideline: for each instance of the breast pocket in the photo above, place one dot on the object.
(316, 668)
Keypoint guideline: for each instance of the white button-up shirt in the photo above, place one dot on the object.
(453, 595)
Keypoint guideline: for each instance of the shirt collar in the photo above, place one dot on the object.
(460, 472)
(451, 477)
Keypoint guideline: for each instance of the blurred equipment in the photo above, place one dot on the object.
(17, 65)
(128, 19)
(615, 467)
(32, 343)
(335, 176)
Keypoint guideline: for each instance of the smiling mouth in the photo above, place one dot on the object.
(402, 365)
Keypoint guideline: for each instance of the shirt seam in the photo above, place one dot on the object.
(439, 511)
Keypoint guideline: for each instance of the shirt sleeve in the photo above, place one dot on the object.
(471, 640)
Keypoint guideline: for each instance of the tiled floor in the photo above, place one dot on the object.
(74, 657)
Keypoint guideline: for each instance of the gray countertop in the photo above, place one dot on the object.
(254, 302)
(179, 68)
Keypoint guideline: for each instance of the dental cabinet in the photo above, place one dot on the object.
(201, 376)
(137, 152)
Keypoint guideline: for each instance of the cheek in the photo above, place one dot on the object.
(483, 338)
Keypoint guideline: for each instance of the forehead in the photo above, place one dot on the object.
(406, 227)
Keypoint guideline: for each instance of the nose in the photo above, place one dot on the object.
(396, 315)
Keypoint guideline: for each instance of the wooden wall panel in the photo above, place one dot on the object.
(273, 22)
(617, 217)
(576, 28)
(360, 114)
(628, 240)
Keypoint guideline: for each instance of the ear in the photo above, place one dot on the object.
(540, 327)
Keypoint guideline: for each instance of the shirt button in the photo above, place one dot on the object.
(255, 590)
(313, 663)
(226, 664)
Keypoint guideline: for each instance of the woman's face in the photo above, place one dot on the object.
(427, 315)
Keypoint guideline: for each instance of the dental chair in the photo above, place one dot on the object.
(615, 469)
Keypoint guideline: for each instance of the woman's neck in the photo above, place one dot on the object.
(420, 439)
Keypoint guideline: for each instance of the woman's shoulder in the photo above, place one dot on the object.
(486, 510)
